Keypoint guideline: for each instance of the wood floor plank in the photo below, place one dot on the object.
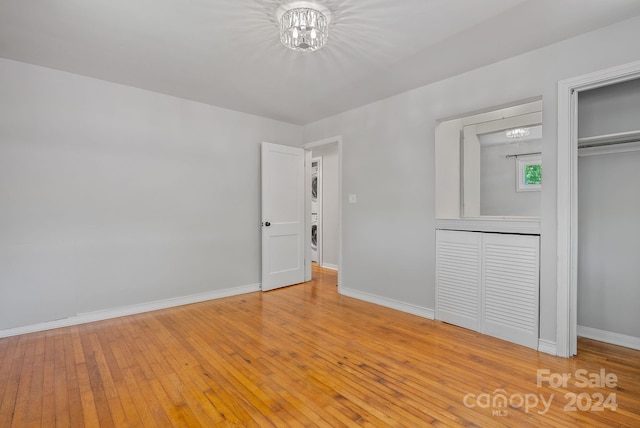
(89, 412)
(299, 356)
(11, 373)
(21, 408)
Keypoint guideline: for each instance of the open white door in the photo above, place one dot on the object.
(283, 216)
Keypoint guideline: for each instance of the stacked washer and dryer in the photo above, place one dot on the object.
(315, 166)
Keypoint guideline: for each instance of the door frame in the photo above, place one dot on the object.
(567, 197)
(308, 147)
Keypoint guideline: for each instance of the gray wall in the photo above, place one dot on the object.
(114, 196)
(609, 209)
(388, 161)
(498, 181)
(117, 196)
(609, 243)
(330, 203)
(609, 110)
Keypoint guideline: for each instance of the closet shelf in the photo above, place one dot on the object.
(609, 139)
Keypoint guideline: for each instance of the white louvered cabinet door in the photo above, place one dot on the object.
(458, 278)
(511, 287)
(489, 282)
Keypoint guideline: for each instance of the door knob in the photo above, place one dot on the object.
(267, 224)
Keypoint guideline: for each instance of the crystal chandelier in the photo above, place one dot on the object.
(518, 133)
(304, 26)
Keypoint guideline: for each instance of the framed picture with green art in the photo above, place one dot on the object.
(529, 173)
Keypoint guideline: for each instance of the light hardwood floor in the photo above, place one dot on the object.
(299, 356)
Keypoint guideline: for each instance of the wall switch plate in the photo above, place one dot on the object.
(352, 198)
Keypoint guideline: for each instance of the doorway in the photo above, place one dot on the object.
(567, 197)
(608, 207)
(325, 212)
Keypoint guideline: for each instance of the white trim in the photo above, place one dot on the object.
(563, 217)
(547, 346)
(609, 337)
(567, 197)
(522, 225)
(309, 146)
(323, 142)
(389, 303)
(105, 314)
(307, 215)
(519, 107)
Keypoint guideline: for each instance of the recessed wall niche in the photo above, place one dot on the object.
(489, 164)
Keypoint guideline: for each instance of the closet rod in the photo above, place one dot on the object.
(523, 154)
(609, 139)
(609, 143)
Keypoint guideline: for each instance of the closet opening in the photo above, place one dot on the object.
(568, 188)
(608, 288)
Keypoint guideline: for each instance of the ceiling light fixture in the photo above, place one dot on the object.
(304, 26)
(518, 133)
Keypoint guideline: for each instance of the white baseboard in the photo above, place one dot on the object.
(329, 266)
(609, 337)
(87, 317)
(547, 346)
(389, 303)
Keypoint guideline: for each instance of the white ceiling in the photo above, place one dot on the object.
(227, 52)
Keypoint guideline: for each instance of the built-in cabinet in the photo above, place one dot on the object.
(489, 282)
(487, 221)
